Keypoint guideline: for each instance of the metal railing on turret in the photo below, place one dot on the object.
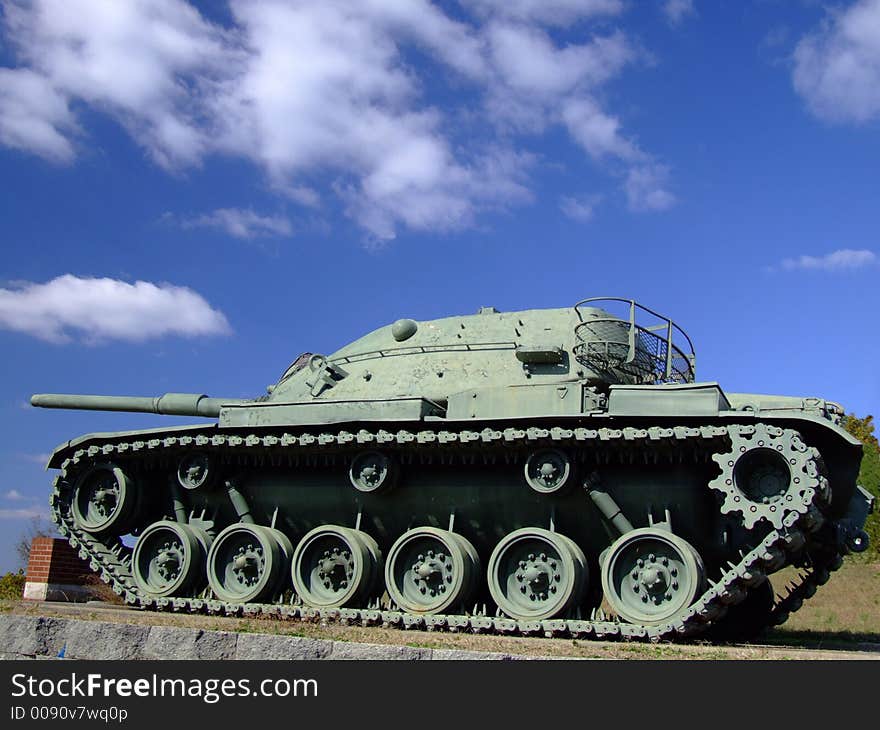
(641, 347)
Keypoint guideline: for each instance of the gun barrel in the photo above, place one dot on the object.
(170, 404)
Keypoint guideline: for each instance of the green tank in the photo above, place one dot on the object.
(552, 472)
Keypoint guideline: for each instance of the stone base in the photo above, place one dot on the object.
(56, 592)
(50, 637)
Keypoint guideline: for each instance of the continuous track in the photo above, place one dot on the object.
(799, 521)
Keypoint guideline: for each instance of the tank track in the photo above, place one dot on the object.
(779, 546)
(808, 581)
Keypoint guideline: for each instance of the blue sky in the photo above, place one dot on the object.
(193, 194)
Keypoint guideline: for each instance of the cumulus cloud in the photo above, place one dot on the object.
(537, 83)
(107, 309)
(530, 62)
(837, 66)
(597, 132)
(34, 116)
(241, 223)
(333, 100)
(403, 189)
(677, 10)
(540, 84)
(556, 12)
(14, 495)
(579, 208)
(647, 188)
(841, 260)
(146, 63)
(348, 105)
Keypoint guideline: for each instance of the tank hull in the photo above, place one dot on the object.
(468, 479)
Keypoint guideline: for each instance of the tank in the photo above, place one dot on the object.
(555, 472)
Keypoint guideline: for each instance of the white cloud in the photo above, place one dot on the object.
(530, 62)
(677, 10)
(541, 84)
(329, 99)
(34, 116)
(348, 105)
(537, 83)
(647, 188)
(837, 66)
(41, 459)
(107, 309)
(597, 132)
(14, 495)
(456, 43)
(241, 223)
(555, 12)
(840, 260)
(22, 514)
(440, 197)
(147, 63)
(579, 208)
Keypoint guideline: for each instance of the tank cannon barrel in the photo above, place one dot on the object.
(170, 404)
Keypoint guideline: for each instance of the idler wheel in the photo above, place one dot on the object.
(372, 471)
(104, 500)
(650, 575)
(535, 574)
(248, 562)
(548, 471)
(335, 566)
(169, 559)
(430, 571)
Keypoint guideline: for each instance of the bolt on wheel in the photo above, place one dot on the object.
(103, 500)
(651, 575)
(248, 562)
(536, 574)
(169, 559)
(335, 566)
(429, 570)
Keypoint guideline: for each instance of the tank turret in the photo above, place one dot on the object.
(501, 471)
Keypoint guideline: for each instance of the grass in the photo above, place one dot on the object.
(844, 611)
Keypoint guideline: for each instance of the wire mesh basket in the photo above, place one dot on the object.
(648, 351)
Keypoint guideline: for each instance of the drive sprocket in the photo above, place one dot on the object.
(767, 473)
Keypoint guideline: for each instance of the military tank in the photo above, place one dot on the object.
(552, 472)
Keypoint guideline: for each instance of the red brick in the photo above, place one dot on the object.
(52, 560)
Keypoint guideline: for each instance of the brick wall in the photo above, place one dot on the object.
(52, 560)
